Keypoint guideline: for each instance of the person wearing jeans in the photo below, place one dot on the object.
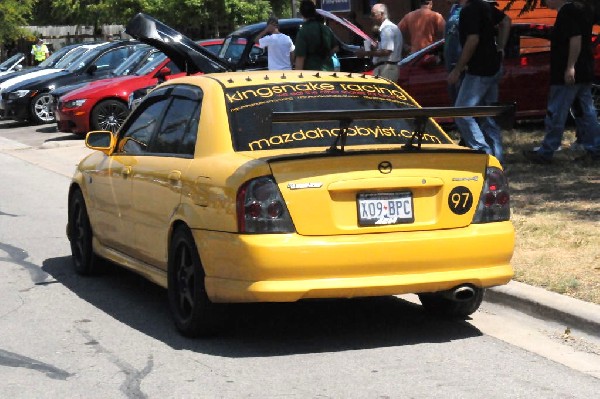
(480, 61)
(482, 133)
(571, 75)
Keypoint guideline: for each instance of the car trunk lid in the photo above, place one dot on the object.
(423, 191)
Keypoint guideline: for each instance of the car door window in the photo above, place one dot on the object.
(112, 59)
(179, 128)
(137, 134)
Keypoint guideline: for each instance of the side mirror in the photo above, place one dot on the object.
(92, 69)
(18, 67)
(101, 140)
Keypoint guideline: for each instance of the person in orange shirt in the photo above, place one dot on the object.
(421, 27)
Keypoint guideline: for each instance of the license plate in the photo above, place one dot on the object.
(385, 208)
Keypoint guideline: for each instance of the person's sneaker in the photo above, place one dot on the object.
(536, 157)
(539, 146)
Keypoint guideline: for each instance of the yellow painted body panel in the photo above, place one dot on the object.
(329, 254)
(289, 267)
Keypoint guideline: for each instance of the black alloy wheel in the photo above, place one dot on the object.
(109, 115)
(80, 236)
(193, 312)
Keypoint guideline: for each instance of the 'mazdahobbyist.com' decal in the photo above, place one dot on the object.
(318, 133)
(320, 95)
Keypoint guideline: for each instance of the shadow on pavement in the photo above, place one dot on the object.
(67, 136)
(265, 329)
(10, 124)
(47, 129)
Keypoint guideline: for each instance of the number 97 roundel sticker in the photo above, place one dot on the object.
(460, 200)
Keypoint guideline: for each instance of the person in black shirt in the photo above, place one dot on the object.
(571, 75)
(480, 61)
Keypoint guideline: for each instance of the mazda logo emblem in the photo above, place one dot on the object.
(385, 167)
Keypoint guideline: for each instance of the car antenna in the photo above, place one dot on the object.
(419, 132)
(341, 137)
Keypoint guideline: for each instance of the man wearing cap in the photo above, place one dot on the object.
(39, 52)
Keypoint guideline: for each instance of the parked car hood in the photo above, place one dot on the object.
(26, 77)
(90, 89)
(184, 52)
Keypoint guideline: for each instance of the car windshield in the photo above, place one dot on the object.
(252, 103)
(134, 62)
(9, 62)
(84, 60)
(71, 57)
(55, 57)
(152, 62)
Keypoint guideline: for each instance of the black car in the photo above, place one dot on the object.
(30, 99)
(237, 53)
(48, 63)
(246, 58)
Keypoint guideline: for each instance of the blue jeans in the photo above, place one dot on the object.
(560, 99)
(484, 133)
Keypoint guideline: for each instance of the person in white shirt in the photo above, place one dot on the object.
(279, 46)
(388, 52)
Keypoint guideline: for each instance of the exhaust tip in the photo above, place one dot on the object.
(463, 293)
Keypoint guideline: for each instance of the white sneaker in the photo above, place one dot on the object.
(538, 147)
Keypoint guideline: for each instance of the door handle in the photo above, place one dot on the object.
(126, 171)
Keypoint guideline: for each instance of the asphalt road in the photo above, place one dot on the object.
(62, 335)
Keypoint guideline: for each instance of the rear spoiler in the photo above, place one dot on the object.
(505, 115)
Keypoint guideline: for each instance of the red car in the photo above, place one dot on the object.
(103, 105)
(526, 72)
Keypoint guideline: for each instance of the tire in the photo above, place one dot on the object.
(40, 109)
(108, 115)
(193, 313)
(80, 236)
(440, 304)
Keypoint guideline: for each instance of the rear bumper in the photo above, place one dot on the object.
(289, 267)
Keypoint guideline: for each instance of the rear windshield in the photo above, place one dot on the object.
(256, 104)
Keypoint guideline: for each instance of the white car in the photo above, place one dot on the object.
(12, 64)
(66, 60)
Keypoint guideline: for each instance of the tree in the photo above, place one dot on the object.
(14, 14)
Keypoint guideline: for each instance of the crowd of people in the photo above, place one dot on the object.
(475, 33)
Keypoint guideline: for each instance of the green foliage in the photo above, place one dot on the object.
(13, 15)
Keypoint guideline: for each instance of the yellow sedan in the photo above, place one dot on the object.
(276, 186)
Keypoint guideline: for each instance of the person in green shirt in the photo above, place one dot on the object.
(315, 43)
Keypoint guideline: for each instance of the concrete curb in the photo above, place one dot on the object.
(537, 302)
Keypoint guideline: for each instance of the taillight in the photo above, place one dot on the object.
(260, 208)
(494, 202)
